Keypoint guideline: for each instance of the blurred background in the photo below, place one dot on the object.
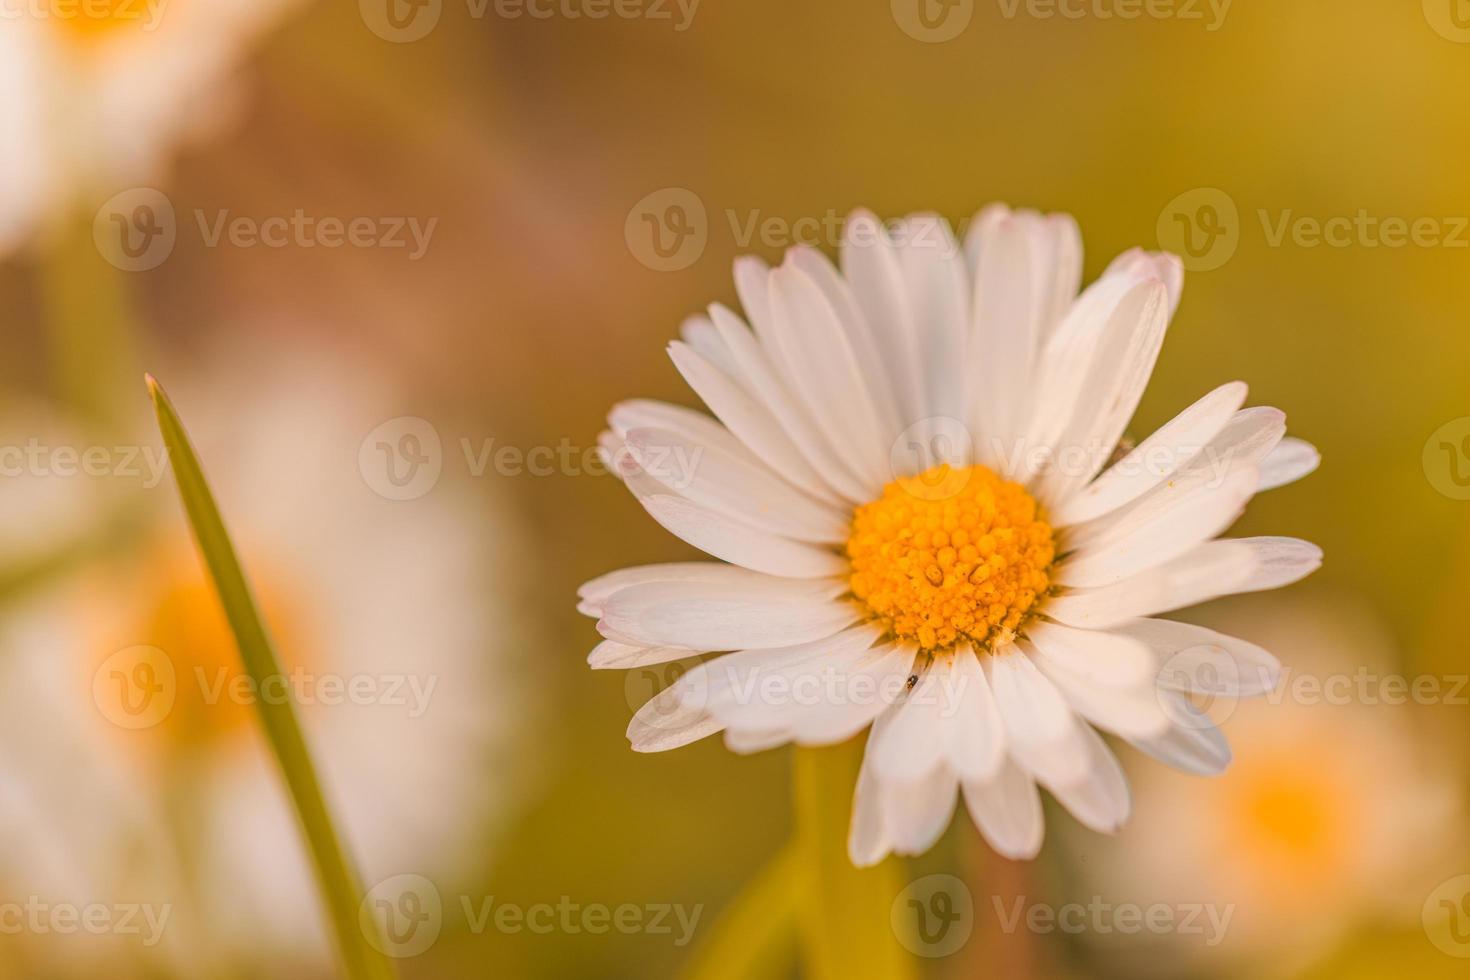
(394, 261)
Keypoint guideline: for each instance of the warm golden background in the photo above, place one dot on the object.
(533, 144)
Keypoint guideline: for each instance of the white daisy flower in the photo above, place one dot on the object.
(921, 528)
(1344, 808)
(96, 94)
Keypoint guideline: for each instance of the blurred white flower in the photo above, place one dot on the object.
(380, 611)
(1341, 806)
(96, 94)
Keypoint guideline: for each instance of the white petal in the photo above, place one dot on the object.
(665, 723)
(868, 841)
(826, 375)
(699, 333)
(1120, 368)
(1167, 268)
(867, 347)
(1169, 521)
(1025, 270)
(948, 719)
(720, 536)
(736, 485)
(1156, 458)
(871, 267)
(610, 654)
(1214, 569)
(1100, 801)
(750, 742)
(594, 594)
(751, 421)
(1193, 658)
(975, 735)
(1082, 361)
(1133, 711)
(938, 289)
(916, 813)
(1107, 659)
(720, 616)
(770, 383)
(1042, 733)
(1007, 812)
(820, 693)
(1291, 460)
(1196, 746)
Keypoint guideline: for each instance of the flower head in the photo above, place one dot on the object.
(925, 525)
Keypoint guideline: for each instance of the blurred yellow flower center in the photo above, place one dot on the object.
(86, 20)
(951, 554)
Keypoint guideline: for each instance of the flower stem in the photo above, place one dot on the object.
(845, 921)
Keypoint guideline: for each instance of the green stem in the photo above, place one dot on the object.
(846, 921)
(755, 936)
(357, 937)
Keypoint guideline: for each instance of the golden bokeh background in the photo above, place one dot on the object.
(537, 146)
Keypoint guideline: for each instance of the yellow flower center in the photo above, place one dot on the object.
(951, 554)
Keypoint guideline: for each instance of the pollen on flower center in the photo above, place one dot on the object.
(950, 554)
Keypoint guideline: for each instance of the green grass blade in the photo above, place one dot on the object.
(338, 880)
(846, 924)
(755, 936)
